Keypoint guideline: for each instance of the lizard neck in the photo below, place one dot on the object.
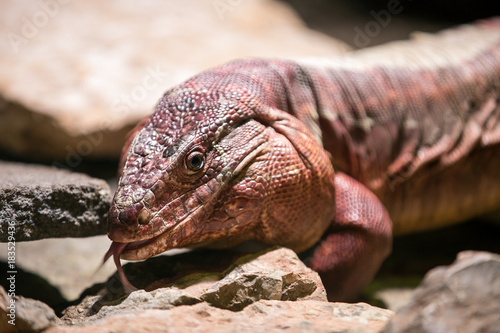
(383, 121)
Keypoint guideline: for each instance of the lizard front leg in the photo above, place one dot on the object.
(357, 241)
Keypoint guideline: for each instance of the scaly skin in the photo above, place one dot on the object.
(247, 151)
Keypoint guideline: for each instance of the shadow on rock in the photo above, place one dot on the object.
(224, 279)
(33, 286)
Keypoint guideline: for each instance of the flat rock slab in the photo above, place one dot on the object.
(463, 297)
(262, 316)
(74, 74)
(39, 202)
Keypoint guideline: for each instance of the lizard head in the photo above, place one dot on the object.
(181, 164)
(217, 164)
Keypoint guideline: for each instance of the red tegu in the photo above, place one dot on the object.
(335, 156)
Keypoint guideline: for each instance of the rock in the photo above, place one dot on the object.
(278, 275)
(138, 300)
(67, 264)
(464, 297)
(409, 261)
(31, 285)
(44, 202)
(76, 75)
(274, 274)
(395, 298)
(262, 316)
(29, 315)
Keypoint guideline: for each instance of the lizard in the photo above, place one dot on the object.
(333, 157)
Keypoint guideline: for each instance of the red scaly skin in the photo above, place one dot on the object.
(247, 151)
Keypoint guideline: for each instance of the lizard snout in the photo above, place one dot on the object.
(123, 224)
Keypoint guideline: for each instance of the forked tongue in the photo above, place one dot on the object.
(115, 250)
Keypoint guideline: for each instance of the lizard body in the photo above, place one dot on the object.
(335, 157)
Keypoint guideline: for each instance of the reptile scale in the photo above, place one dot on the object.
(332, 156)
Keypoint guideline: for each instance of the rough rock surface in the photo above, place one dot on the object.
(464, 297)
(274, 274)
(29, 315)
(262, 316)
(44, 202)
(278, 274)
(161, 299)
(74, 73)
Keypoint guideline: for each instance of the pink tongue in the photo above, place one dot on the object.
(115, 250)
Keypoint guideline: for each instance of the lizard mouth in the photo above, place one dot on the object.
(132, 250)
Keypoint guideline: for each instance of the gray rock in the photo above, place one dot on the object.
(138, 300)
(42, 202)
(463, 297)
(24, 314)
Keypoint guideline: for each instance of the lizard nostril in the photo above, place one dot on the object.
(144, 216)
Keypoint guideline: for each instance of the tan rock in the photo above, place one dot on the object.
(278, 275)
(262, 316)
(20, 314)
(74, 75)
(274, 274)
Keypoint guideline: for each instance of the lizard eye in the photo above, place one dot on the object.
(195, 160)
